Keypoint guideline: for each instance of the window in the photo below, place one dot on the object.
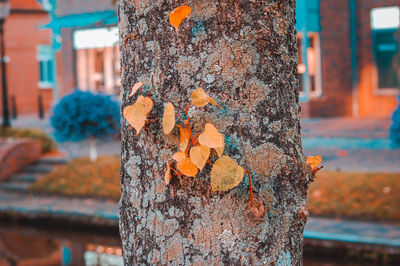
(46, 66)
(385, 22)
(309, 68)
(97, 59)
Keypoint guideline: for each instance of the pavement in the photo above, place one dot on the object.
(346, 144)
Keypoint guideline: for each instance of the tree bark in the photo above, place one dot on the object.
(244, 55)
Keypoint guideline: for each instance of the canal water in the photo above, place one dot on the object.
(48, 245)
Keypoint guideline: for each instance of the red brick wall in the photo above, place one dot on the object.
(22, 36)
(370, 103)
(15, 156)
(336, 96)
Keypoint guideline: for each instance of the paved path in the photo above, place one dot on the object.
(106, 212)
(102, 212)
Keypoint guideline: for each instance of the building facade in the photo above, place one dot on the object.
(349, 65)
(28, 56)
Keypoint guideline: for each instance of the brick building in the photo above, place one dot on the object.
(350, 62)
(348, 54)
(27, 48)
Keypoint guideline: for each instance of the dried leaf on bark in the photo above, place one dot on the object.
(167, 176)
(179, 156)
(211, 137)
(314, 161)
(135, 88)
(199, 155)
(178, 15)
(220, 150)
(225, 174)
(185, 138)
(187, 167)
(168, 121)
(136, 113)
(200, 98)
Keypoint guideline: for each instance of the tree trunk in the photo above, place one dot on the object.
(244, 55)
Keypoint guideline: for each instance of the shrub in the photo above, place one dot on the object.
(83, 115)
(47, 143)
(395, 128)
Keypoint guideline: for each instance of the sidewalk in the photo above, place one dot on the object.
(105, 212)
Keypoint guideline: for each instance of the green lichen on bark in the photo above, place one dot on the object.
(243, 54)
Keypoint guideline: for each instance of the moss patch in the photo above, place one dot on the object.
(81, 177)
(367, 196)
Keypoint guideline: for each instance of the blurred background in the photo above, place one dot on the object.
(59, 185)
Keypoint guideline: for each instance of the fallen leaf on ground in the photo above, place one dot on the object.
(135, 88)
(211, 137)
(178, 15)
(187, 167)
(225, 174)
(168, 118)
(200, 98)
(179, 156)
(199, 155)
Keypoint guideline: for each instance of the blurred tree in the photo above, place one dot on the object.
(84, 115)
(395, 128)
(242, 53)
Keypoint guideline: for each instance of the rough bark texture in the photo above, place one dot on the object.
(243, 53)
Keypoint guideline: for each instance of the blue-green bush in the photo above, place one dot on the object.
(82, 115)
(395, 128)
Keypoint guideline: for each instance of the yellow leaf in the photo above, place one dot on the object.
(187, 167)
(314, 161)
(200, 98)
(199, 155)
(168, 118)
(220, 150)
(179, 156)
(167, 176)
(211, 137)
(135, 88)
(179, 14)
(225, 174)
(136, 113)
(147, 102)
(185, 138)
(183, 145)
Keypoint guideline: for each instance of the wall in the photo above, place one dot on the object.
(336, 99)
(22, 36)
(370, 103)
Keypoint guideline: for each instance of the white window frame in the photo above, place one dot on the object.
(306, 94)
(44, 54)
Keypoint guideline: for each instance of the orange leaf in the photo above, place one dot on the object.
(168, 118)
(179, 156)
(179, 14)
(167, 176)
(199, 155)
(135, 88)
(211, 137)
(225, 174)
(185, 138)
(187, 167)
(220, 150)
(314, 161)
(200, 98)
